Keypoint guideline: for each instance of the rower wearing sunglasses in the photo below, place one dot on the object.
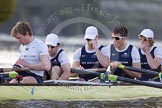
(86, 57)
(120, 52)
(60, 64)
(151, 56)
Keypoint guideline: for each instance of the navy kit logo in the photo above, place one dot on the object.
(125, 55)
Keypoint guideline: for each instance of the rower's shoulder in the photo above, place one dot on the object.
(38, 41)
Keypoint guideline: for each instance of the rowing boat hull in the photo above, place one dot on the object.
(67, 93)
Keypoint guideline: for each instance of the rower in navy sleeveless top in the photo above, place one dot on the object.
(86, 57)
(60, 64)
(151, 56)
(122, 53)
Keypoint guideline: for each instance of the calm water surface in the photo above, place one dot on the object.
(142, 103)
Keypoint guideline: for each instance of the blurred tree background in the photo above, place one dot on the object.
(71, 17)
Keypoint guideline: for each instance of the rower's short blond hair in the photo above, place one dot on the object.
(21, 27)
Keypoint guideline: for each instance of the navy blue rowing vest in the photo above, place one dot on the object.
(145, 65)
(89, 61)
(55, 61)
(124, 57)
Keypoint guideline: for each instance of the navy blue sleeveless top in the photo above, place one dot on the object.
(124, 57)
(55, 61)
(145, 65)
(89, 61)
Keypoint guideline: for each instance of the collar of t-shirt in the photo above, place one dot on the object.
(56, 54)
(127, 45)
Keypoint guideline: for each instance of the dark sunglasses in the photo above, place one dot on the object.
(117, 38)
(49, 46)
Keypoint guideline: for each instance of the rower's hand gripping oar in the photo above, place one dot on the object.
(143, 71)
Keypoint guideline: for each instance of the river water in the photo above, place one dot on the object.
(141, 103)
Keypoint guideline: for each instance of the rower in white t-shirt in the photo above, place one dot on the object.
(33, 54)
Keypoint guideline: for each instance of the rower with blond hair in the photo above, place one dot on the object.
(33, 54)
(151, 56)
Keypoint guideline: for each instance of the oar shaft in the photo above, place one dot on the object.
(143, 71)
(139, 82)
(67, 82)
(96, 69)
(117, 78)
(14, 69)
(78, 71)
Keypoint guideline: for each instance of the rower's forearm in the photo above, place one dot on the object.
(65, 75)
(132, 73)
(103, 60)
(152, 63)
(38, 66)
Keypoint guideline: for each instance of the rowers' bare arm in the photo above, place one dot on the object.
(44, 63)
(132, 73)
(65, 68)
(154, 63)
(104, 60)
(128, 72)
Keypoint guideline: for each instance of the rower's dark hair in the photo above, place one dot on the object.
(122, 30)
(22, 28)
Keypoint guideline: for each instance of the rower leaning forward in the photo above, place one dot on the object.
(33, 54)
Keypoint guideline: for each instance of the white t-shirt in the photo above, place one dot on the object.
(134, 54)
(62, 58)
(77, 53)
(31, 53)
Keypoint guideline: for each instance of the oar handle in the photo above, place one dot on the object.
(78, 71)
(9, 74)
(105, 76)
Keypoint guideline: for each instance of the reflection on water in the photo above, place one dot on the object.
(144, 103)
